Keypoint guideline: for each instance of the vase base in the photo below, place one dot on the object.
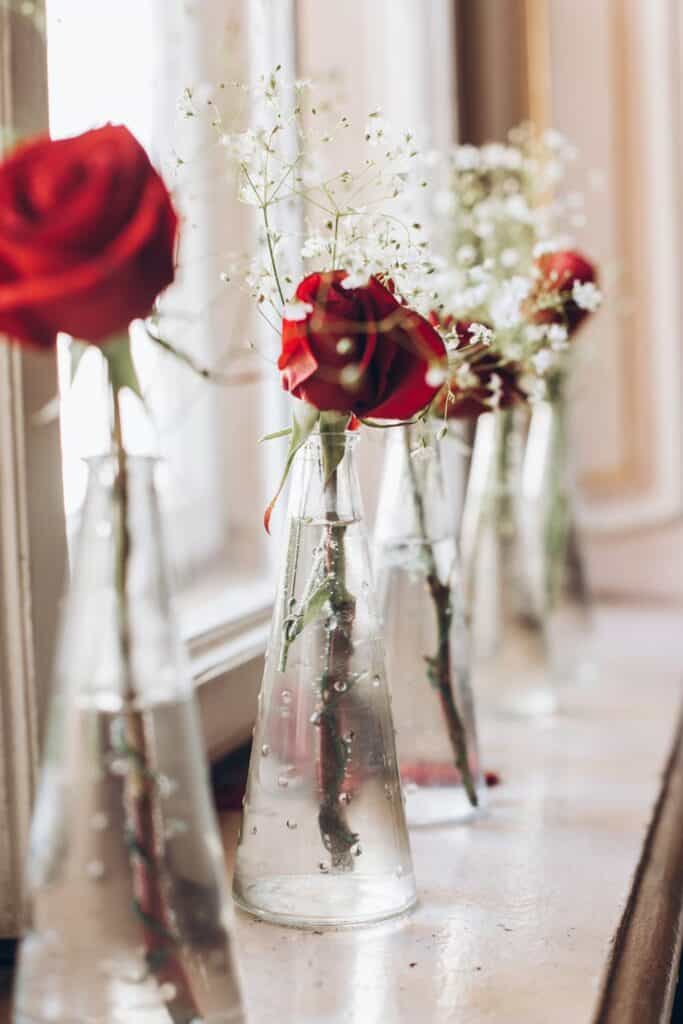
(327, 901)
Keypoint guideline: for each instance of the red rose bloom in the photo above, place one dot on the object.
(87, 237)
(467, 404)
(358, 350)
(557, 272)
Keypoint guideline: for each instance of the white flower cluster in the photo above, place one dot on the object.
(499, 213)
(357, 220)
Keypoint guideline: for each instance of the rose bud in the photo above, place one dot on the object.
(359, 350)
(552, 301)
(479, 385)
(87, 237)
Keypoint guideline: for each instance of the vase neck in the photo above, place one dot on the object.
(120, 639)
(325, 485)
(412, 503)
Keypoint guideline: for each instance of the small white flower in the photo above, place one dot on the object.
(556, 244)
(466, 158)
(543, 360)
(465, 378)
(480, 333)
(558, 336)
(586, 296)
(240, 145)
(465, 254)
(313, 247)
(296, 310)
(356, 279)
(509, 258)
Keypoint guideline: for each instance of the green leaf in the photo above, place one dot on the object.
(285, 432)
(304, 419)
(122, 372)
(333, 444)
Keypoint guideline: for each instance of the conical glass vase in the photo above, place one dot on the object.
(548, 481)
(427, 645)
(324, 840)
(503, 567)
(128, 907)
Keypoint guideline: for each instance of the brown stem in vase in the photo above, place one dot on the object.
(440, 668)
(144, 837)
(336, 680)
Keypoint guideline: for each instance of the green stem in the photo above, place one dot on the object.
(440, 665)
(141, 791)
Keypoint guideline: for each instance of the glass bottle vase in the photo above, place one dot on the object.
(548, 481)
(503, 568)
(324, 840)
(427, 645)
(128, 906)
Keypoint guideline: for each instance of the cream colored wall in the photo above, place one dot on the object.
(616, 76)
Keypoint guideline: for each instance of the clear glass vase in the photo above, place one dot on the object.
(503, 568)
(127, 895)
(324, 840)
(548, 481)
(427, 645)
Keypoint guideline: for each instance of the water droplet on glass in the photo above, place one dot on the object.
(291, 824)
(315, 718)
(167, 991)
(282, 781)
(286, 697)
(340, 686)
(322, 866)
(344, 798)
(99, 821)
(265, 750)
(388, 792)
(357, 852)
(253, 830)
(95, 870)
(376, 681)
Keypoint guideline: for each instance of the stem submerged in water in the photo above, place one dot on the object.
(145, 844)
(440, 669)
(336, 680)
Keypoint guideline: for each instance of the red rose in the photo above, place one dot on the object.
(358, 350)
(468, 403)
(87, 237)
(557, 272)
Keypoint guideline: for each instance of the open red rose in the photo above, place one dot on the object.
(557, 273)
(87, 237)
(358, 350)
(467, 403)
